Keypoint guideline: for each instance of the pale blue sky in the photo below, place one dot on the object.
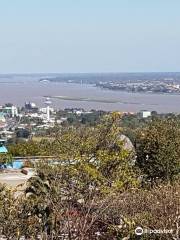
(89, 35)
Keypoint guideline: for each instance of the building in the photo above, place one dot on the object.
(44, 110)
(145, 114)
(31, 107)
(3, 149)
(2, 121)
(10, 111)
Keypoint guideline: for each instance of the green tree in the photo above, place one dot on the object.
(98, 153)
(5, 158)
(158, 150)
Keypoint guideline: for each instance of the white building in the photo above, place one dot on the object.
(44, 110)
(47, 111)
(12, 111)
(145, 114)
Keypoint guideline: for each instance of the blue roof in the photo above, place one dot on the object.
(3, 149)
(15, 165)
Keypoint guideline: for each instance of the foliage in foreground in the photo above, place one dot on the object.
(51, 211)
(93, 189)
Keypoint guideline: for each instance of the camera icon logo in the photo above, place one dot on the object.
(139, 231)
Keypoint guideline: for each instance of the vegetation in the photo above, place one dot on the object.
(158, 150)
(30, 148)
(5, 158)
(74, 119)
(98, 188)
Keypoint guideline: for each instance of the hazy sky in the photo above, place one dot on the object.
(89, 35)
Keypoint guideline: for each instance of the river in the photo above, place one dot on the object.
(18, 91)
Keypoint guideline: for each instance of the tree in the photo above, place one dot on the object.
(5, 158)
(98, 153)
(158, 150)
(22, 133)
(91, 191)
(16, 218)
(71, 196)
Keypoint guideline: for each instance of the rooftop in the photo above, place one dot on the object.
(3, 149)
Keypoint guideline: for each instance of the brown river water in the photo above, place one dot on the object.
(18, 91)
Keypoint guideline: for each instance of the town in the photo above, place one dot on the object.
(30, 121)
(149, 86)
(129, 82)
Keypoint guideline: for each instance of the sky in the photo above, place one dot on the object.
(43, 36)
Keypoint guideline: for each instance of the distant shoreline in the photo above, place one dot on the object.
(114, 90)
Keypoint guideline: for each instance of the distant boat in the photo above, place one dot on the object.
(48, 101)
